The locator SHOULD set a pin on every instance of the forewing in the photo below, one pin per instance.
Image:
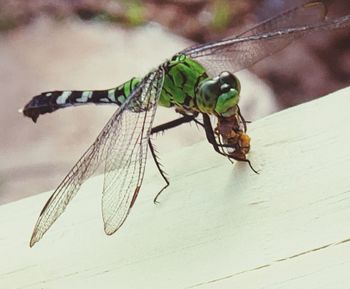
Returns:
(86, 166)
(306, 13)
(126, 159)
(239, 52)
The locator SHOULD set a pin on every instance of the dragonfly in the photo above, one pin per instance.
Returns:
(199, 83)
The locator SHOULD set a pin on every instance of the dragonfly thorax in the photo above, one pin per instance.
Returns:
(188, 87)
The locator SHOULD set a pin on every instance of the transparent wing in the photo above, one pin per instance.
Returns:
(306, 13)
(98, 152)
(126, 159)
(239, 52)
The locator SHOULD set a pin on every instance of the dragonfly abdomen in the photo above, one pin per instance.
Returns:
(51, 101)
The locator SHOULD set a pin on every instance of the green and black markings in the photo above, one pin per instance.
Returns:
(186, 86)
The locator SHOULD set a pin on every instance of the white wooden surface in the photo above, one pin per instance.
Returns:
(217, 226)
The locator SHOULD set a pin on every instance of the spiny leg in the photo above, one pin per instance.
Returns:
(160, 128)
(242, 119)
(194, 116)
(209, 132)
(223, 145)
(237, 158)
(161, 171)
(174, 123)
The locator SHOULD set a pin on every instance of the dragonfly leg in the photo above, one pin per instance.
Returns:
(222, 145)
(160, 169)
(243, 159)
(198, 122)
(244, 122)
(194, 115)
(209, 132)
(174, 123)
(238, 155)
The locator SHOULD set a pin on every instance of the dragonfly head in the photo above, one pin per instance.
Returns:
(219, 95)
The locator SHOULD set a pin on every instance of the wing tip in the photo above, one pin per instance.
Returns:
(36, 236)
(33, 240)
(108, 230)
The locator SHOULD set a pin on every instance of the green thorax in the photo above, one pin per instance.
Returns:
(188, 87)
(181, 81)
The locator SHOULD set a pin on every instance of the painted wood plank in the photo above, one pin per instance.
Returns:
(217, 226)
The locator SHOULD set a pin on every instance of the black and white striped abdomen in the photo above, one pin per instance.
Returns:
(51, 101)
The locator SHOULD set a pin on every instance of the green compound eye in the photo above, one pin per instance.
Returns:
(225, 87)
(229, 96)
(228, 78)
(209, 91)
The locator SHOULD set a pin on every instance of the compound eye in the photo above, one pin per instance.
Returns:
(229, 78)
(225, 88)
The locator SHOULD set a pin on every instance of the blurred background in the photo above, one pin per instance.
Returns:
(98, 44)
